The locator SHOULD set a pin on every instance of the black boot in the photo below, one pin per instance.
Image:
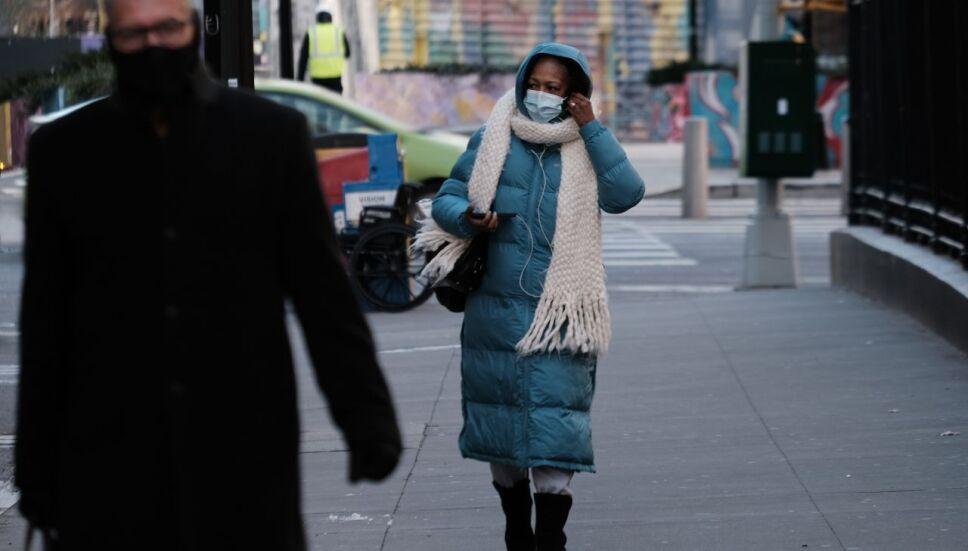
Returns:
(551, 513)
(516, 502)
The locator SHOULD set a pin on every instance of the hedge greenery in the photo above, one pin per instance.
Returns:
(675, 73)
(455, 69)
(83, 76)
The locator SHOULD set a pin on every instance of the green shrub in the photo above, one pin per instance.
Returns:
(675, 72)
(83, 76)
(455, 69)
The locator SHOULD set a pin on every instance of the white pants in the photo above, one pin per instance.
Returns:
(547, 480)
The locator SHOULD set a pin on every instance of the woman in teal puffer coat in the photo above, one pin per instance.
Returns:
(533, 330)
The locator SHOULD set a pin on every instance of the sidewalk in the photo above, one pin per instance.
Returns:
(660, 165)
(772, 420)
(760, 420)
(12, 188)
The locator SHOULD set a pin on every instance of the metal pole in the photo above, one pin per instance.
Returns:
(286, 66)
(228, 41)
(695, 169)
(693, 32)
(51, 19)
(769, 258)
(845, 170)
(807, 27)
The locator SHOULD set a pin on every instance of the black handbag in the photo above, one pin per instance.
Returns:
(466, 276)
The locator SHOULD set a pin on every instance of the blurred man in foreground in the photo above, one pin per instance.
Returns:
(166, 228)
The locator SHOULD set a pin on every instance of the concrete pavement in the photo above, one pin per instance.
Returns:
(771, 420)
(801, 419)
(767, 420)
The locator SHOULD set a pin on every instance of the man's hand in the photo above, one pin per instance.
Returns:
(36, 510)
(372, 460)
(580, 109)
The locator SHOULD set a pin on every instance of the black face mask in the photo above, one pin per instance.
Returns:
(156, 76)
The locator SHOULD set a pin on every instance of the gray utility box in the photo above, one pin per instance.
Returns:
(778, 108)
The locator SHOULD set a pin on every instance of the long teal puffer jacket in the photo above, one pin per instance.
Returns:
(527, 411)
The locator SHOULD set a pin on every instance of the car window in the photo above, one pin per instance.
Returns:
(323, 119)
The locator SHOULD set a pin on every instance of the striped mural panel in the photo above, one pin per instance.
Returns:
(623, 39)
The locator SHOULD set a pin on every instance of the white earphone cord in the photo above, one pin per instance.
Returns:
(544, 188)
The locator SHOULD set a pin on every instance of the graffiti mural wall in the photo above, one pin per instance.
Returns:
(714, 95)
(433, 100)
(622, 39)
(666, 109)
(833, 103)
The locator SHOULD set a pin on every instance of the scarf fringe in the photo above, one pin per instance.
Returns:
(568, 323)
(432, 237)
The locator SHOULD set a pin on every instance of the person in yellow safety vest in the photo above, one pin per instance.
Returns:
(324, 52)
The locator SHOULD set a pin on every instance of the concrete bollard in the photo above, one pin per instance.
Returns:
(695, 169)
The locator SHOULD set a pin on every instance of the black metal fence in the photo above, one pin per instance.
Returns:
(909, 120)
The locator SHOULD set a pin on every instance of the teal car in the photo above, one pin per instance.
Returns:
(428, 156)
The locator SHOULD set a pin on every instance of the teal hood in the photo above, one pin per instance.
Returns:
(574, 59)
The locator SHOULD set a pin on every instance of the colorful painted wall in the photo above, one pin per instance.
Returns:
(622, 39)
(433, 100)
(833, 103)
(715, 95)
(13, 133)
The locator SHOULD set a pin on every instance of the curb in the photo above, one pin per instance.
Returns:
(929, 287)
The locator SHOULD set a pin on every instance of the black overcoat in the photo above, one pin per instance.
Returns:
(157, 404)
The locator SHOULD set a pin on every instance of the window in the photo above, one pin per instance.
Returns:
(322, 118)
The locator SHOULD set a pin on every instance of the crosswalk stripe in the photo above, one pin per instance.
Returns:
(9, 376)
(8, 496)
(656, 262)
(672, 288)
(627, 244)
(420, 349)
(633, 239)
(639, 254)
(634, 247)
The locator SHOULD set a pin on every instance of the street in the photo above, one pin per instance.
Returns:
(724, 419)
(11, 273)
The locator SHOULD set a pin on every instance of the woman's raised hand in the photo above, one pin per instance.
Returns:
(487, 223)
(580, 108)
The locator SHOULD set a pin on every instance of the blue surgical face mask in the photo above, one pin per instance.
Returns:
(542, 106)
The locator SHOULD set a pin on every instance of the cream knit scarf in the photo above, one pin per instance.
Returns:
(572, 313)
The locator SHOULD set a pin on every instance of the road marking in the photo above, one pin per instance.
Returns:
(420, 349)
(15, 334)
(639, 254)
(8, 496)
(627, 244)
(9, 375)
(672, 288)
(657, 262)
(7, 440)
